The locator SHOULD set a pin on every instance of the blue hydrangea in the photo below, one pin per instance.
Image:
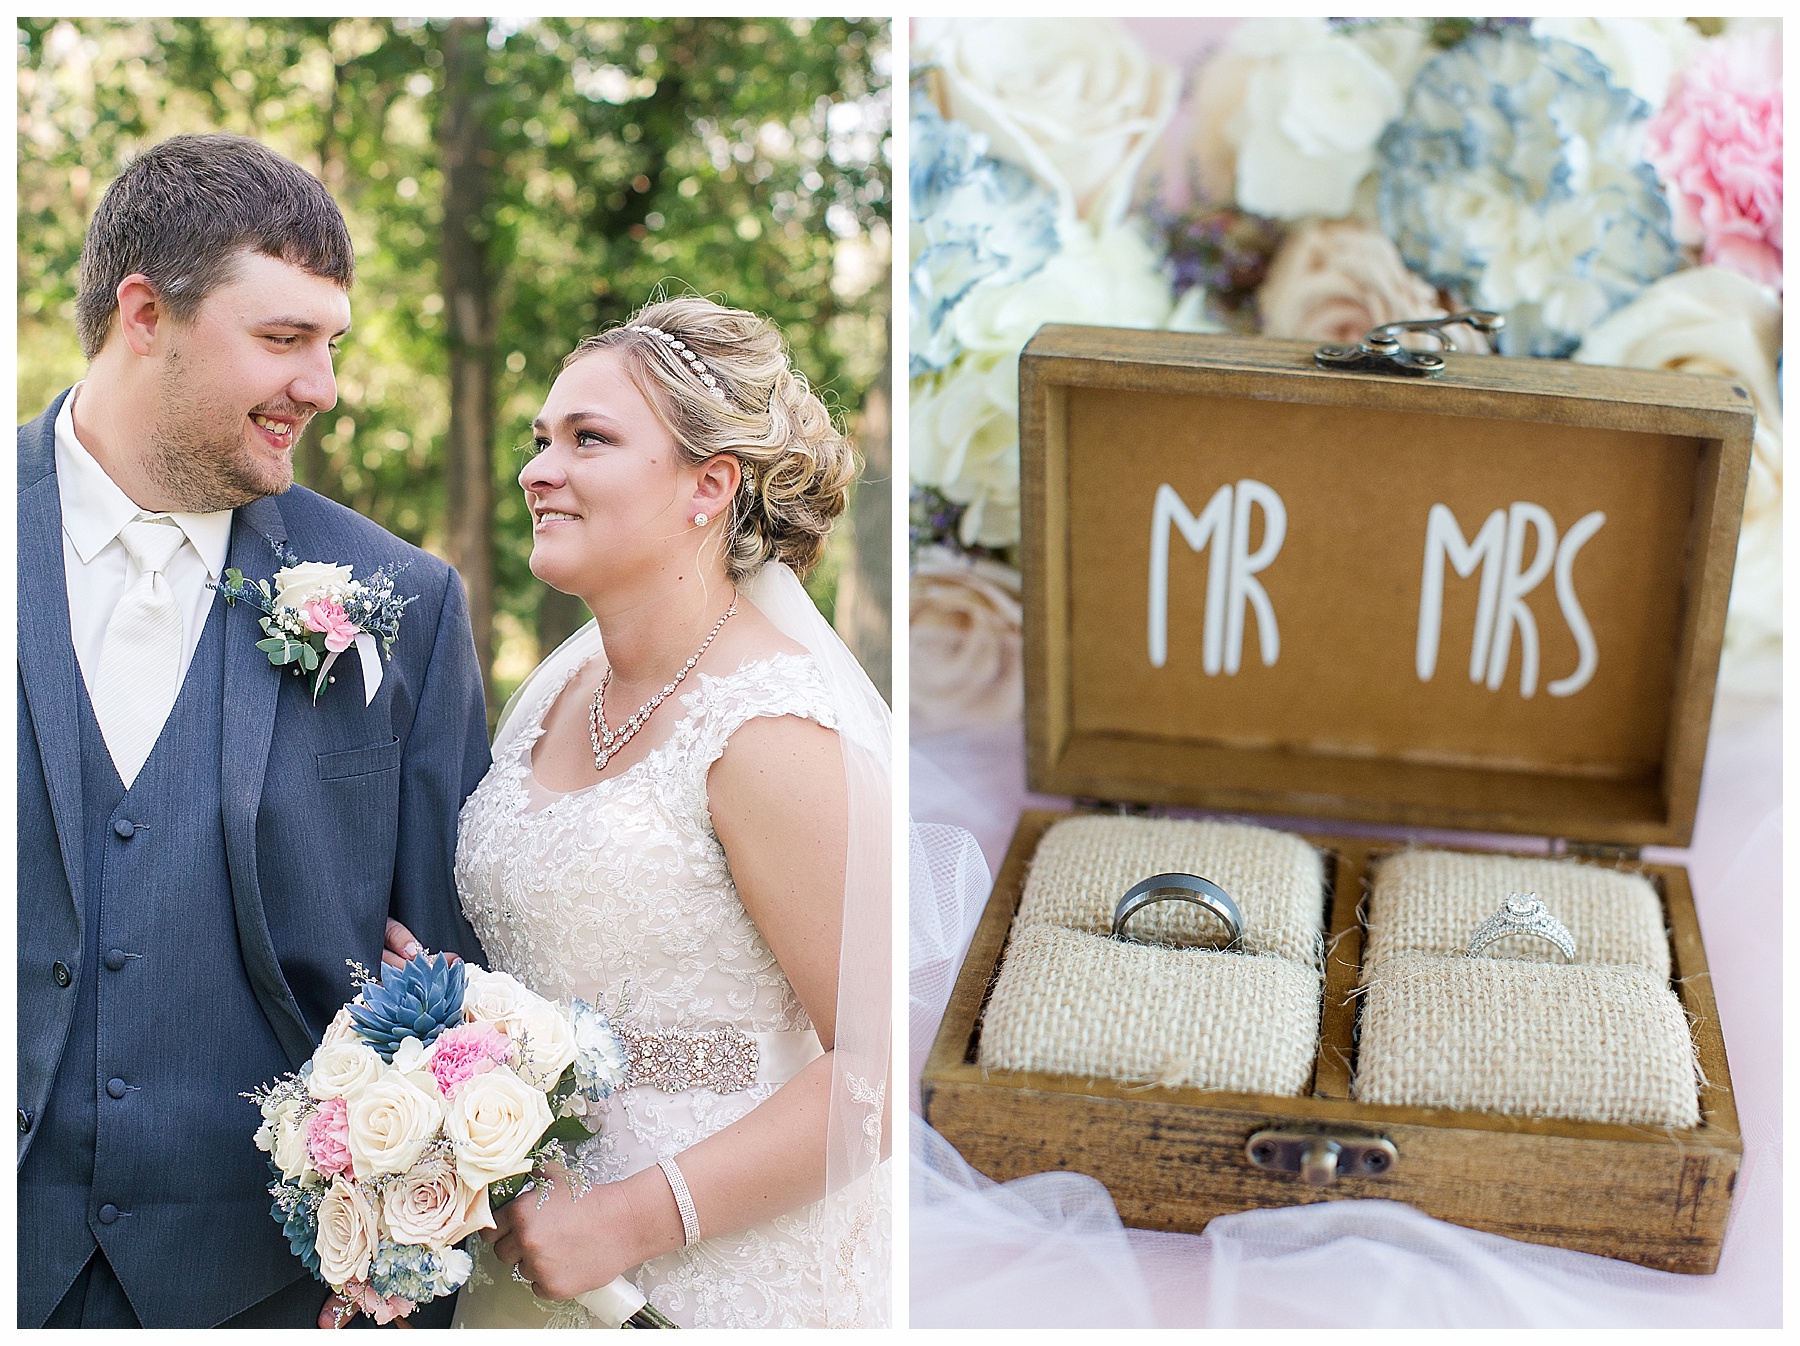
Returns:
(415, 1272)
(1515, 180)
(975, 219)
(600, 1059)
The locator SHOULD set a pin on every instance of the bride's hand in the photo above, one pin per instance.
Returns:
(566, 1245)
(401, 945)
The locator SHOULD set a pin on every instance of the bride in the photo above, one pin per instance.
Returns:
(687, 823)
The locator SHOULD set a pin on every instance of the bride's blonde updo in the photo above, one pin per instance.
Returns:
(727, 387)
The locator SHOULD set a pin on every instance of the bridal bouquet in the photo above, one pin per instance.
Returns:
(440, 1092)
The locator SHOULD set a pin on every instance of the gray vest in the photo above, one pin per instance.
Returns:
(146, 1150)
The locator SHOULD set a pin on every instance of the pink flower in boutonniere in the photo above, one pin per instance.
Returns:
(328, 618)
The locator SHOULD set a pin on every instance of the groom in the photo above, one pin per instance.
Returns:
(201, 844)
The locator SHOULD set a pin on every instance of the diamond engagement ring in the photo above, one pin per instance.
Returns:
(1522, 914)
(1203, 893)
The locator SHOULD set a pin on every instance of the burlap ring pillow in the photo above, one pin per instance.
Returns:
(1517, 1030)
(1070, 1000)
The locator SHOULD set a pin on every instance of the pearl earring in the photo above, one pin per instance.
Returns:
(700, 521)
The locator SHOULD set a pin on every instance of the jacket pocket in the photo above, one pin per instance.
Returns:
(359, 761)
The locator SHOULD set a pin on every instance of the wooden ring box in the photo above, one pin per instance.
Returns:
(1367, 484)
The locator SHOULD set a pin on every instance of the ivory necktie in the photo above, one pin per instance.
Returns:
(141, 655)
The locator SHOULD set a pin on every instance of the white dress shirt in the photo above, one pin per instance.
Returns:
(95, 563)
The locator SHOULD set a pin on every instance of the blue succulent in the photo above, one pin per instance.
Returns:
(419, 999)
(296, 1210)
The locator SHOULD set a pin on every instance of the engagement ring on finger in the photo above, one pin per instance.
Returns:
(1522, 914)
(1203, 893)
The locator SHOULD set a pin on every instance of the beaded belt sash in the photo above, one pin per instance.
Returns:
(674, 1059)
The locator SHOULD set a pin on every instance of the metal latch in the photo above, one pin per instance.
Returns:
(1380, 351)
(1322, 1157)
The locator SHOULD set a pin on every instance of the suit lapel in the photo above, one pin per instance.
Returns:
(48, 670)
(252, 688)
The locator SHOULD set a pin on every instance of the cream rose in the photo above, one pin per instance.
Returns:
(1333, 281)
(390, 1123)
(965, 443)
(1709, 320)
(1076, 102)
(342, 1028)
(967, 661)
(343, 1069)
(348, 1234)
(494, 1121)
(282, 1136)
(1288, 114)
(542, 1032)
(298, 585)
(432, 1205)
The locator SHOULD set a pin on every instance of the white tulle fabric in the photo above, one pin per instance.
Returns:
(621, 894)
(1049, 1250)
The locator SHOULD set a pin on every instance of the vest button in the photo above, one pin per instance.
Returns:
(24, 1122)
(108, 1213)
(125, 828)
(60, 971)
(115, 959)
(116, 1087)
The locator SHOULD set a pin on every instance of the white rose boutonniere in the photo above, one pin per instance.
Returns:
(299, 584)
(1075, 101)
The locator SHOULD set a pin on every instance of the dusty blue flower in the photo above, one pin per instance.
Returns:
(1515, 180)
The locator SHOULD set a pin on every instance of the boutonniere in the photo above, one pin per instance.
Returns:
(313, 612)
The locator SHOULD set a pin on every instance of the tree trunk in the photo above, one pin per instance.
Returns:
(465, 153)
(865, 589)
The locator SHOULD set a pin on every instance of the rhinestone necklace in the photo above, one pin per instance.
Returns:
(608, 742)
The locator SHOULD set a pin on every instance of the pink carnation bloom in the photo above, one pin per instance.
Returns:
(328, 1137)
(327, 615)
(362, 1295)
(1716, 145)
(466, 1051)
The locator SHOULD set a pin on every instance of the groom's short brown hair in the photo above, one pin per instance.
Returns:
(182, 211)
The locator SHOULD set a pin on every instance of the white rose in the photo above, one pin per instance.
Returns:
(282, 1136)
(1708, 320)
(494, 1121)
(965, 442)
(343, 1069)
(1641, 55)
(1077, 102)
(390, 1123)
(348, 1234)
(1333, 281)
(431, 1205)
(965, 638)
(1108, 279)
(342, 1028)
(1288, 115)
(298, 585)
(540, 1029)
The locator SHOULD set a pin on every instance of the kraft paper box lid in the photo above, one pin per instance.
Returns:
(1493, 600)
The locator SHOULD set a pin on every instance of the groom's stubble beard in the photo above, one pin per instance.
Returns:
(196, 451)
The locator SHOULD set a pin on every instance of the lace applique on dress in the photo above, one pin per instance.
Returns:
(620, 894)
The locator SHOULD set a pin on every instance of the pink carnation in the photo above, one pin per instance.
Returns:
(1716, 145)
(328, 1137)
(327, 615)
(466, 1051)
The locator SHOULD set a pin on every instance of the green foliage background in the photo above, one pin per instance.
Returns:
(747, 159)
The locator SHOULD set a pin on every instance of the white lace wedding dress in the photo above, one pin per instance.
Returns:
(620, 894)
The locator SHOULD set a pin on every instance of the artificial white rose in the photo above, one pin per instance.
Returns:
(390, 1122)
(494, 1122)
(298, 585)
(965, 636)
(348, 1234)
(343, 1069)
(342, 1028)
(540, 1029)
(433, 1206)
(965, 442)
(1709, 320)
(1288, 114)
(1077, 102)
(282, 1136)
(1641, 55)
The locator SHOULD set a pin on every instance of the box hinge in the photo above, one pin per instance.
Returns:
(1595, 850)
(1322, 1156)
(1124, 808)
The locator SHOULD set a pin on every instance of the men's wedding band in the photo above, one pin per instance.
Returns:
(1203, 893)
(1523, 914)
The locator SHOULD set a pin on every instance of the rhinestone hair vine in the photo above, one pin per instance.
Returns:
(681, 349)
